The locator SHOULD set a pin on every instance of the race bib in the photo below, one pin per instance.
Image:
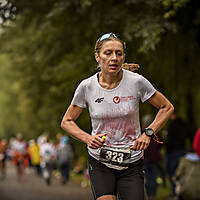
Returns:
(116, 158)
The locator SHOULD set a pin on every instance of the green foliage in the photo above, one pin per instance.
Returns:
(173, 6)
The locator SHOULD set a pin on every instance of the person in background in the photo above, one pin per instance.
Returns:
(34, 152)
(196, 142)
(3, 157)
(187, 175)
(64, 157)
(175, 145)
(48, 158)
(152, 162)
(20, 158)
(58, 138)
(116, 144)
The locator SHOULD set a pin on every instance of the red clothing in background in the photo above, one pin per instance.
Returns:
(196, 142)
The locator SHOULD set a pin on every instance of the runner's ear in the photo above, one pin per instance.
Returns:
(96, 55)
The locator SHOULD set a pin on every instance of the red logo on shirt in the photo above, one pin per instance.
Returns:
(116, 99)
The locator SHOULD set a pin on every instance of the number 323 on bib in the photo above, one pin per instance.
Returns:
(116, 158)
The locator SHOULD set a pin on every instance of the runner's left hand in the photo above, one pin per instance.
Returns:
(141, 143)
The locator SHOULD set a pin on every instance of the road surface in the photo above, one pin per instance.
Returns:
(34, 188)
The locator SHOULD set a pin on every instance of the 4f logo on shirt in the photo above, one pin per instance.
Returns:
(99, 100)
(116, 99)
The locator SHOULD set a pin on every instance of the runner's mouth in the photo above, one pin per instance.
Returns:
(113, 66)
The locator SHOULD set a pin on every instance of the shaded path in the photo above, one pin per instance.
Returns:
(34, 188)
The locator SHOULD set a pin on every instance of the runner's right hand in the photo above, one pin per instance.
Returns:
(96, 141)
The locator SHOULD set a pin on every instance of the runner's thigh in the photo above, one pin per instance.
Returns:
(102, 179)
(130, 184)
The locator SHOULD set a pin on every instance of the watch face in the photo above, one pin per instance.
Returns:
(149, 131)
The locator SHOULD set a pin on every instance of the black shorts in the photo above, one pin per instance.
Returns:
(127, 184)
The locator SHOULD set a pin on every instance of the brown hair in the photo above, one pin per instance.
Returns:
(131, 66)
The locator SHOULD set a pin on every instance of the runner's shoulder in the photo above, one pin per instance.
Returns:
(133, 75)
(88, 81)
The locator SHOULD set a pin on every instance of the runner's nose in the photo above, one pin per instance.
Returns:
(114, 56)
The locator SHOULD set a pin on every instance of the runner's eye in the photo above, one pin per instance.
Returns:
(107, 53)
(119, 53)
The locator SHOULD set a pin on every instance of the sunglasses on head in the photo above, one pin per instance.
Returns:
(108, 35)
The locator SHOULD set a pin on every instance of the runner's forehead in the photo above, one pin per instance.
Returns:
(112, 45)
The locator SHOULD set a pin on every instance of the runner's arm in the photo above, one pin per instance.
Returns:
(165, 110)
(159, 101)
(68, 124)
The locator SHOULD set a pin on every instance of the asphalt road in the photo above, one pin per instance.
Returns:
(34, 188)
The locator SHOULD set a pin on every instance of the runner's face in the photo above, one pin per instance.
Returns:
(111, 56)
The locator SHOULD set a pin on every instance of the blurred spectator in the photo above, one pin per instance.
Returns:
(20, 155)
(3, 150)
(58, 138)
(196, 142)
(65, 157)
(152, 162)
(187, 176)
(175, 146)
(41, 139)
(48, 156)
(34, 152)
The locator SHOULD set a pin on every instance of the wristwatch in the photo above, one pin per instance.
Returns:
(149, 132)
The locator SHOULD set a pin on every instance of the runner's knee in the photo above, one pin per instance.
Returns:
(107, 197)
